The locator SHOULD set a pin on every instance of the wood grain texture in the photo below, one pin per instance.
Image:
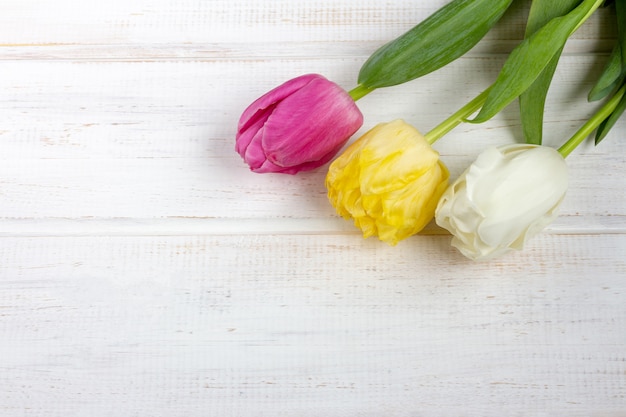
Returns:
(144, 271)
(238, 326)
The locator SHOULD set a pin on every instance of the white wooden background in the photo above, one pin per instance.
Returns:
(144, 271)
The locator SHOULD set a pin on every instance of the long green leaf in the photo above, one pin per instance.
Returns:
(620, 12)
(440, 39)
(614, 71)
(532, 101)
(611, 76)
(528, 60)
(610, 121)
(542, 11)
(619, 52)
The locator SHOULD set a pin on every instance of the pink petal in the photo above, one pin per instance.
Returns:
(306, 125)
(257, 109)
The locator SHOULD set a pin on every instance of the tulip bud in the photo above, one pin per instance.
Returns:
(507, 196)
(298, 126)
(388, 181)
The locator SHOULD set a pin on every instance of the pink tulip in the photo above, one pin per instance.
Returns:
(298, 126)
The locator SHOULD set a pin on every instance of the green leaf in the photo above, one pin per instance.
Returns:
(610, 121)
(614, 72)
(528, 60)
(435, 42)
(592, 123)
(542, 11)
(620, 12)
(611, 77)
(532, 101)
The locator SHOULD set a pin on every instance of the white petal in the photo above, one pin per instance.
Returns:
(508, 195)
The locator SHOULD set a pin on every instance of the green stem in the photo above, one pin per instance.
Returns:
(454, 120)
(360, 91)
(591, 124)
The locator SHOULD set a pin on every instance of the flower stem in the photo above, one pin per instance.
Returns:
(591, 124)
(454, 120)
(359, 91)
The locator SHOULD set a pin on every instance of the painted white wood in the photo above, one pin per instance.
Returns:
(154, 140)
(144, 271)
(230, 325)
(237, 21)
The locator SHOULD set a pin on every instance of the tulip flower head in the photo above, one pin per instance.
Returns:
(298, 126)
(507, 196)
(388, 181)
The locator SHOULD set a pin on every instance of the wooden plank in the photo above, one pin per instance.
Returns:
(308, 325)
(99, 110)
(144, 271)
(151, 140)
(170, 22)
(153, 189)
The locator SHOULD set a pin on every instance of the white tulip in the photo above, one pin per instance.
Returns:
(507, 196)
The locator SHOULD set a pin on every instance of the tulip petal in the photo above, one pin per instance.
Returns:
(306, 125)
(388, 181)
(258, 109)
(508, 195)
(251, 129)
(517, 193)
(297, 126)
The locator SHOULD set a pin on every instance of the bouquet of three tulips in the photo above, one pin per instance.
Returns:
(390, 181)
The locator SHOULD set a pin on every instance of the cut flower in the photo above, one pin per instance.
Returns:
(298, 126)
(507, 196)
(388, 181)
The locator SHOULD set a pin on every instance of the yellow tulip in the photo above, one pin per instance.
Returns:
(389, 181)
